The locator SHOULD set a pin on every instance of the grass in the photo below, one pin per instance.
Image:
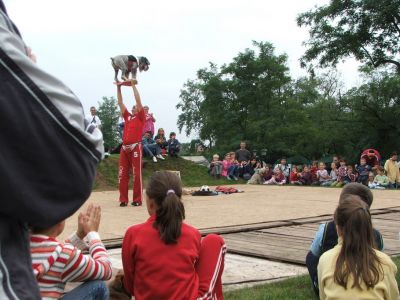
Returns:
(298, 288)
(192, 175)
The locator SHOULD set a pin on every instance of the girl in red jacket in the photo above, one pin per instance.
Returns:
(165, 258)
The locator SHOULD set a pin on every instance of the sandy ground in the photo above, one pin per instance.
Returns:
(256, 204)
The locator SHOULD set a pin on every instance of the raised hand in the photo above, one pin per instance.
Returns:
(94, 215)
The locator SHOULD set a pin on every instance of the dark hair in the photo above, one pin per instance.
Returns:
(393, 153)
(357, 257)
(357, 189)
(341, 160)
(172, 133)
(165, 189)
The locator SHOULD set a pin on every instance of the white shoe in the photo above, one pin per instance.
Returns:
(160, 157)
(154, 159)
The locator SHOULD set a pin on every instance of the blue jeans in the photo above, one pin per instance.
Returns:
(152, 149)
(233, 171)
(90, 290)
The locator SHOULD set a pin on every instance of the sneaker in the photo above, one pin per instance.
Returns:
(136, 204)
(154, 159)
(235, 178)
(228, 177)
(123, 204)
(160, 157)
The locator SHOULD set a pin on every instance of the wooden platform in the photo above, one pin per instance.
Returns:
(290, 243)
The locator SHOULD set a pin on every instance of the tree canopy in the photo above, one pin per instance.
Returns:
(108, 113)
(253, 98)
(368, 30)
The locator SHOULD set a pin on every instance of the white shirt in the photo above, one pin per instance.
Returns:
(93, 120)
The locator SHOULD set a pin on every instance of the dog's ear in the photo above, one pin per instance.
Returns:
(144, 60)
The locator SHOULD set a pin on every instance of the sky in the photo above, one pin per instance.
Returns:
(74, 41)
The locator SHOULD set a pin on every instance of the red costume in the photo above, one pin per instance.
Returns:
(131, 156)
(372, 157)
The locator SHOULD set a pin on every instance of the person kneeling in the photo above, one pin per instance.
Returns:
(165, 258)
(55, 263)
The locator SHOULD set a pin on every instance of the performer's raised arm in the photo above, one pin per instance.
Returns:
(139, 106)
(121, 104)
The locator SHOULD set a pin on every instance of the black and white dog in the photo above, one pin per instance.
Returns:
(128, 64)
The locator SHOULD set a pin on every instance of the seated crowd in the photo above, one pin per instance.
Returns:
(157, 146)
(337, 174)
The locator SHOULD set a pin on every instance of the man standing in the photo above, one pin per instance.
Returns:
(38, 187)
(131, 150)
(392, 171)
(242, 155)
(93, 118)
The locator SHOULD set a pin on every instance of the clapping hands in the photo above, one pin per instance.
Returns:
(89, 220)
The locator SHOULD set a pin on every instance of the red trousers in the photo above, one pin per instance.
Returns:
(130, 160)
(210, 267)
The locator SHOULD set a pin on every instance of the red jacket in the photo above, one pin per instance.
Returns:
(154, 270)
(294, 176)
(133, 127)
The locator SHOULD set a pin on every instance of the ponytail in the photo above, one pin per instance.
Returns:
(357, 257)
(169, 218)
(165, 189)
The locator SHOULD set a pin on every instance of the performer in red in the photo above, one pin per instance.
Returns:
(131, 150)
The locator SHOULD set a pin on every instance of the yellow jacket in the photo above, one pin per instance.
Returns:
(386, 289)
(392, 171)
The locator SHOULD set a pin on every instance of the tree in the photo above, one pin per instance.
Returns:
(108, 113)
(368, 30)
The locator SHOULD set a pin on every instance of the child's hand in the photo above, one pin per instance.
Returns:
(94, 215)
(83, 228)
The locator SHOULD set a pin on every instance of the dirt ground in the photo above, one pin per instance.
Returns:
(256, 204)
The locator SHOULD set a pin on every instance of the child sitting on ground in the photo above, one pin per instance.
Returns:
(381, 181)
(173, 145)
(371, 183)
(322, 175)
(55, 263)
(226, 163)
(278, 178)
(326, 237)
(334, 173)
(306, 176)
(354, 269)
(261, 175)
(164, 258)
(341, 174)
(350, 176)
(363, 171)
(233, 170)
(294, 177)
(313, 171)
(215, 167)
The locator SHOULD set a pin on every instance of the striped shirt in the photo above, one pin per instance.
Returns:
(56, 263)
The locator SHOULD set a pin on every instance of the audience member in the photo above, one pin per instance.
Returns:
(55, 263)
(173, 145)
(215, 168)
(341, 174)
(164, 258)
(372, 158)
(93, 118)
(150, 147)
(322, 175)
(363, 171)
(326, 237)
(161, 140)
(381, 181)
(313, 171)
(149, 121)
(246, 170)
(295, 176)
(226, 163)
(306, 176)
(242, 154)
(392, 171)
(278, 178)
(261, 175)
(333, 173)
(350, 176)
(284, 168)
(353, 269)
(41, 187)
(233, 170)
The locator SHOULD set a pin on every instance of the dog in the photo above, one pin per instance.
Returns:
(129, 64)
(116, 288)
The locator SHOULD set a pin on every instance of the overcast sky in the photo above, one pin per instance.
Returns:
(74, 40)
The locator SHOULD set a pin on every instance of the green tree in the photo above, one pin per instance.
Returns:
(368, 30)
(108, 113)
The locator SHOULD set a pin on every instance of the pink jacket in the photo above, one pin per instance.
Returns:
(225, 166)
